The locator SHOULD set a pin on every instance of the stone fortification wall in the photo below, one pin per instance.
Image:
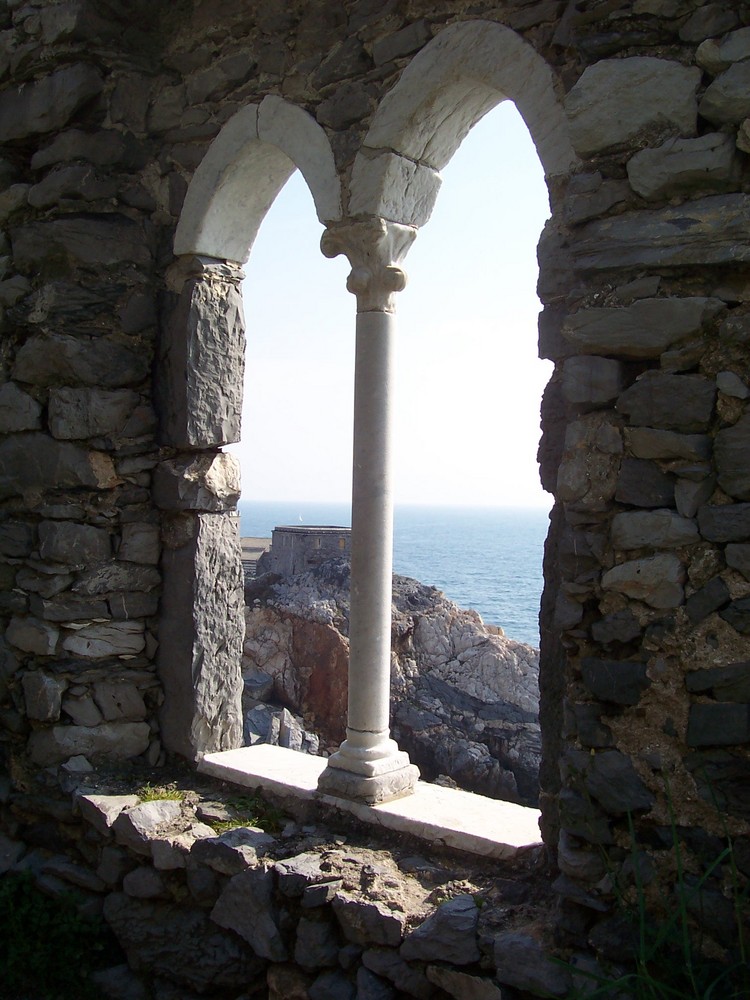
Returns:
(136, 132)
(296, 549)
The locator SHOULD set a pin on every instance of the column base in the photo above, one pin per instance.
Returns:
(385, 786)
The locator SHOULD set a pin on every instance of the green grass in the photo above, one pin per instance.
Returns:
(154, 793)
(47, 947)
(251, 810)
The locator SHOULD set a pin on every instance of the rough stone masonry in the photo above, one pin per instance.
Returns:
(142, 145)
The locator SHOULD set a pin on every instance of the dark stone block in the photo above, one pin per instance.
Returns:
(738, 557)
(718, 725)
(611, 779)
(671, 402)
(723, 780)
(725, 523)
(46, 104)
(16, 539)
(729, 683)
(583, 819)
(738, 615)
(589, 727)
(643, 484)
(621, 626)
(59, 360)
(708, 599)
(618, 681)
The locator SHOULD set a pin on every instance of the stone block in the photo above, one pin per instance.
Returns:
(610, 778)
(725, 522)
(332, 986)
(18, 410)
(135, 827)
(208, 483)
(643, 484)
(410, 979)
(120, 741)
(119, 701)
(657, 580)
(719, 725)
(657, 529)
(368, 921)
(43, 696)
(77, 545)
(737, 556)
(591, 381)
(463, 985)
(620, 626)
(234, 851)
(397, 187)
(737, 614)
(671, 402)
(123, 638)
(689, 496)
(107, 239)
(717, 54)
(372, 987)
(32, 636)
(706, 600)
(449, 934)
(642, 330)
(523, 962)
(83, 413)
(202, 362)
(693, 165)
(16, 539)
(732, 385)
(732, 454)
(727, 98)
(580, 817)
(621, 682)
(82, 711)
(47, 104)
(201, 632)
(729, 683)
(246, 907)
(144, 883)
(617, 100)
(118, 576)
(401, 43)
(316, 945)
(140, 543)
(56, 359)
(56, 465)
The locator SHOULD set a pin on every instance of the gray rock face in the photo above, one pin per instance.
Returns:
(118, 740)
(316, 945)
(610, 778)
(43, 696)
(618, 681)
(449, 934)
(643, 484)
(673, 402)
(725, 523)
(368, 922)
(179, 943)
(718, 54)
(135, 827)
(642, 330)
(34, 462)
(58, 359)
(18, 410)
(657, 581)
(111, 239)
(727, 99)
(234, 851)
(718, 725)
(47, 104)
(587, 475)
(660, 529)
(730, 683)
(650, 442)
(123, 638)
(246, 907)
(521, 961)
(615, 100)
(591, 381)
(698, 164)
(140, 543)
(74, 544)
(204, 482)
(732, 452)
(83, 413)
(32, 636)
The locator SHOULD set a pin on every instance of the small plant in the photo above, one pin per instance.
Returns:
(152, 793)
(251, 810)
(47, 947)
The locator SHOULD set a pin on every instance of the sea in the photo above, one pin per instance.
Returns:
(486, 558)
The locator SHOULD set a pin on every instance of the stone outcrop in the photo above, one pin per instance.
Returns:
(464, 698)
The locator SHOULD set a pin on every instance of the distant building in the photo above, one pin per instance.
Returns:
(296, 549)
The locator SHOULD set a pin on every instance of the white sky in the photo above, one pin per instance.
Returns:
(469, 380)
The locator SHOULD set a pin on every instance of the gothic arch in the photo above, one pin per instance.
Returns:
(243, 171)
(450, 84)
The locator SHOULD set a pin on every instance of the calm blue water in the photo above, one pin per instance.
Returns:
(487, 558)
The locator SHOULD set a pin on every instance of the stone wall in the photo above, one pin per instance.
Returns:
(121, 369)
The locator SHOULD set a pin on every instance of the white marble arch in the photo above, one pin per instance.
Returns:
(246, 166)
(465, 71)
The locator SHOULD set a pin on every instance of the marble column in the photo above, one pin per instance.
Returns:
(368, 765)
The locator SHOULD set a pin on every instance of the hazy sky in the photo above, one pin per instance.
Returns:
(469, 381)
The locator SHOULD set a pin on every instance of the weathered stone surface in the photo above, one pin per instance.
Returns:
(368, 922)
(179, 943)
(727, 99)
(610, 778)
(673, 402)
(102, 810)
(732, 385)
(620, 626)
(659, 529)
(135, 827)
(32, 636)
(144, 883)
(332, 986)
(683, 165)
(463, 986)
(643, 484)
(718, 54)
(16, 539)
(18, 410)
(48, 103)
(120, 983)
(58, 359)
(203, 482)
(720, 724)
(246, 907)
(650, 442)
(316, 945)
(43, 696)
(78, 181)
(34, 462)
(200, 639)
(372, 987)
(732, 453)
(117, 576)
(729, 683)
(410, 979)
(118, 740)
(642, 330)
(710, 230)
(295, 874)
(591, 460)
(690, 495)
(615, 100)
(119, 701)
(618, 681)
(234, 851)
(737, 614)
(738, 557)
(110, 239)
(124, 638)
(523, 962)
(140, 543)
(83, 413)
(449, 934)
(725, 523)
(203, 362)
(706, 600)
(657, 580)
(74, 544)
(591, 381)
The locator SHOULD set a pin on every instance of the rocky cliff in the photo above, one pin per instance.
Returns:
(464, 698)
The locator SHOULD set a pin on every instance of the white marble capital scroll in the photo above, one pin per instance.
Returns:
(375, 249)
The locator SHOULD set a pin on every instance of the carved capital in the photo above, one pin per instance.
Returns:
(375, 249)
